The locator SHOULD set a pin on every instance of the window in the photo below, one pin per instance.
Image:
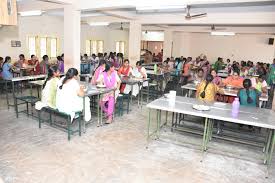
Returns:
(41, 46)
(32, 45)
(53, 47)
(120, 47)
(94, 46)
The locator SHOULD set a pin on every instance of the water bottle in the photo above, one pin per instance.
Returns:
(235, 107)
(155, 68)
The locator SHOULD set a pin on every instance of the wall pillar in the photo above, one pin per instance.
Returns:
(71, 37)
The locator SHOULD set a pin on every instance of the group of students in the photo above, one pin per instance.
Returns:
(115, 58)
(31, 66)
(66, 94)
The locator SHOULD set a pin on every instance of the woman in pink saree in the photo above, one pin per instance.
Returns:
(111, 80)
(98, 71)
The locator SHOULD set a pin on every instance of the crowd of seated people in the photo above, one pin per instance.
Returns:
(24, 67)
(66, 93)
(115, 58)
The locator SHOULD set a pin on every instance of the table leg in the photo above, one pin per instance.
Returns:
(260, 103)
(148, 90)
(132, 88)
(84, 126)
(205, 134)
(101, 113)
(267, 145)
(271, 150)
(148, 126)
(158, 123)
(13, 94)
(7, 94)
(98, 110)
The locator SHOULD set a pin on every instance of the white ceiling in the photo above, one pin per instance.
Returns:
(247, 15)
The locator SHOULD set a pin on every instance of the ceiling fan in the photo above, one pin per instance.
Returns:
(189, 16)
(213, 28)
(115, 26)
(52, 1)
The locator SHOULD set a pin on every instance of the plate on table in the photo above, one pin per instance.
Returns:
(201, 107)
(100, 86)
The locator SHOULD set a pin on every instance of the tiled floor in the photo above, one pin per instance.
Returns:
(116, 153)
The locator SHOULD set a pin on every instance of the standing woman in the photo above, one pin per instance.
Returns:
(125, 70)
(7, 68)
(110, 79)
(98, 71)
(69, 96)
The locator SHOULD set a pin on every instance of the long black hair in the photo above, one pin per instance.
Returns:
(209, 78)
(69, 75)
(101, 62)
(108, 66)
(247, 84)
(51, 72)
(7, 58)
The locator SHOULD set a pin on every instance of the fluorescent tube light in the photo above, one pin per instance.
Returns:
(99, 23)
(172, 7)
(30, 13)
(216, 33)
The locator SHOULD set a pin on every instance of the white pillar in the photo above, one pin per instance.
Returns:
(134, 42)
(167, 44)
(71, 37)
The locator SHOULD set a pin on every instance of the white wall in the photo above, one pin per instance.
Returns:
(53, 26)
(108, 35)
(27, 26)
(240, 47)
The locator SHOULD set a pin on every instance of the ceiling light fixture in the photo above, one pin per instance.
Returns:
(30, 13)
(99, 23)
(171, 7)
(217, 33)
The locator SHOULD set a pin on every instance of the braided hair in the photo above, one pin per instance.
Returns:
(51, 72)
(69, 75)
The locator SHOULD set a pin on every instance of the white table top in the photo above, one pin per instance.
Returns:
(228, 92)
(258, 117)
(26, 78)
(37, 82)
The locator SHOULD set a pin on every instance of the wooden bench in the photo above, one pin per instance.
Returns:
(55, 112)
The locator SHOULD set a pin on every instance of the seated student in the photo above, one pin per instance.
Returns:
(49, 89)
(60, 63)
(1, 66)
(21, 62)
(34, 62)
(207, 90)
(248, 96)
(199, 77)
(235, 80)
(44, 64)
(110, 79)
(7, 69)
(137, 72)
(124, 70)
(98, 71)
(259, 84)
(69, 95)
(217, 80)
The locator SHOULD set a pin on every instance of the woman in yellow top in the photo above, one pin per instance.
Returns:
(207, 90)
